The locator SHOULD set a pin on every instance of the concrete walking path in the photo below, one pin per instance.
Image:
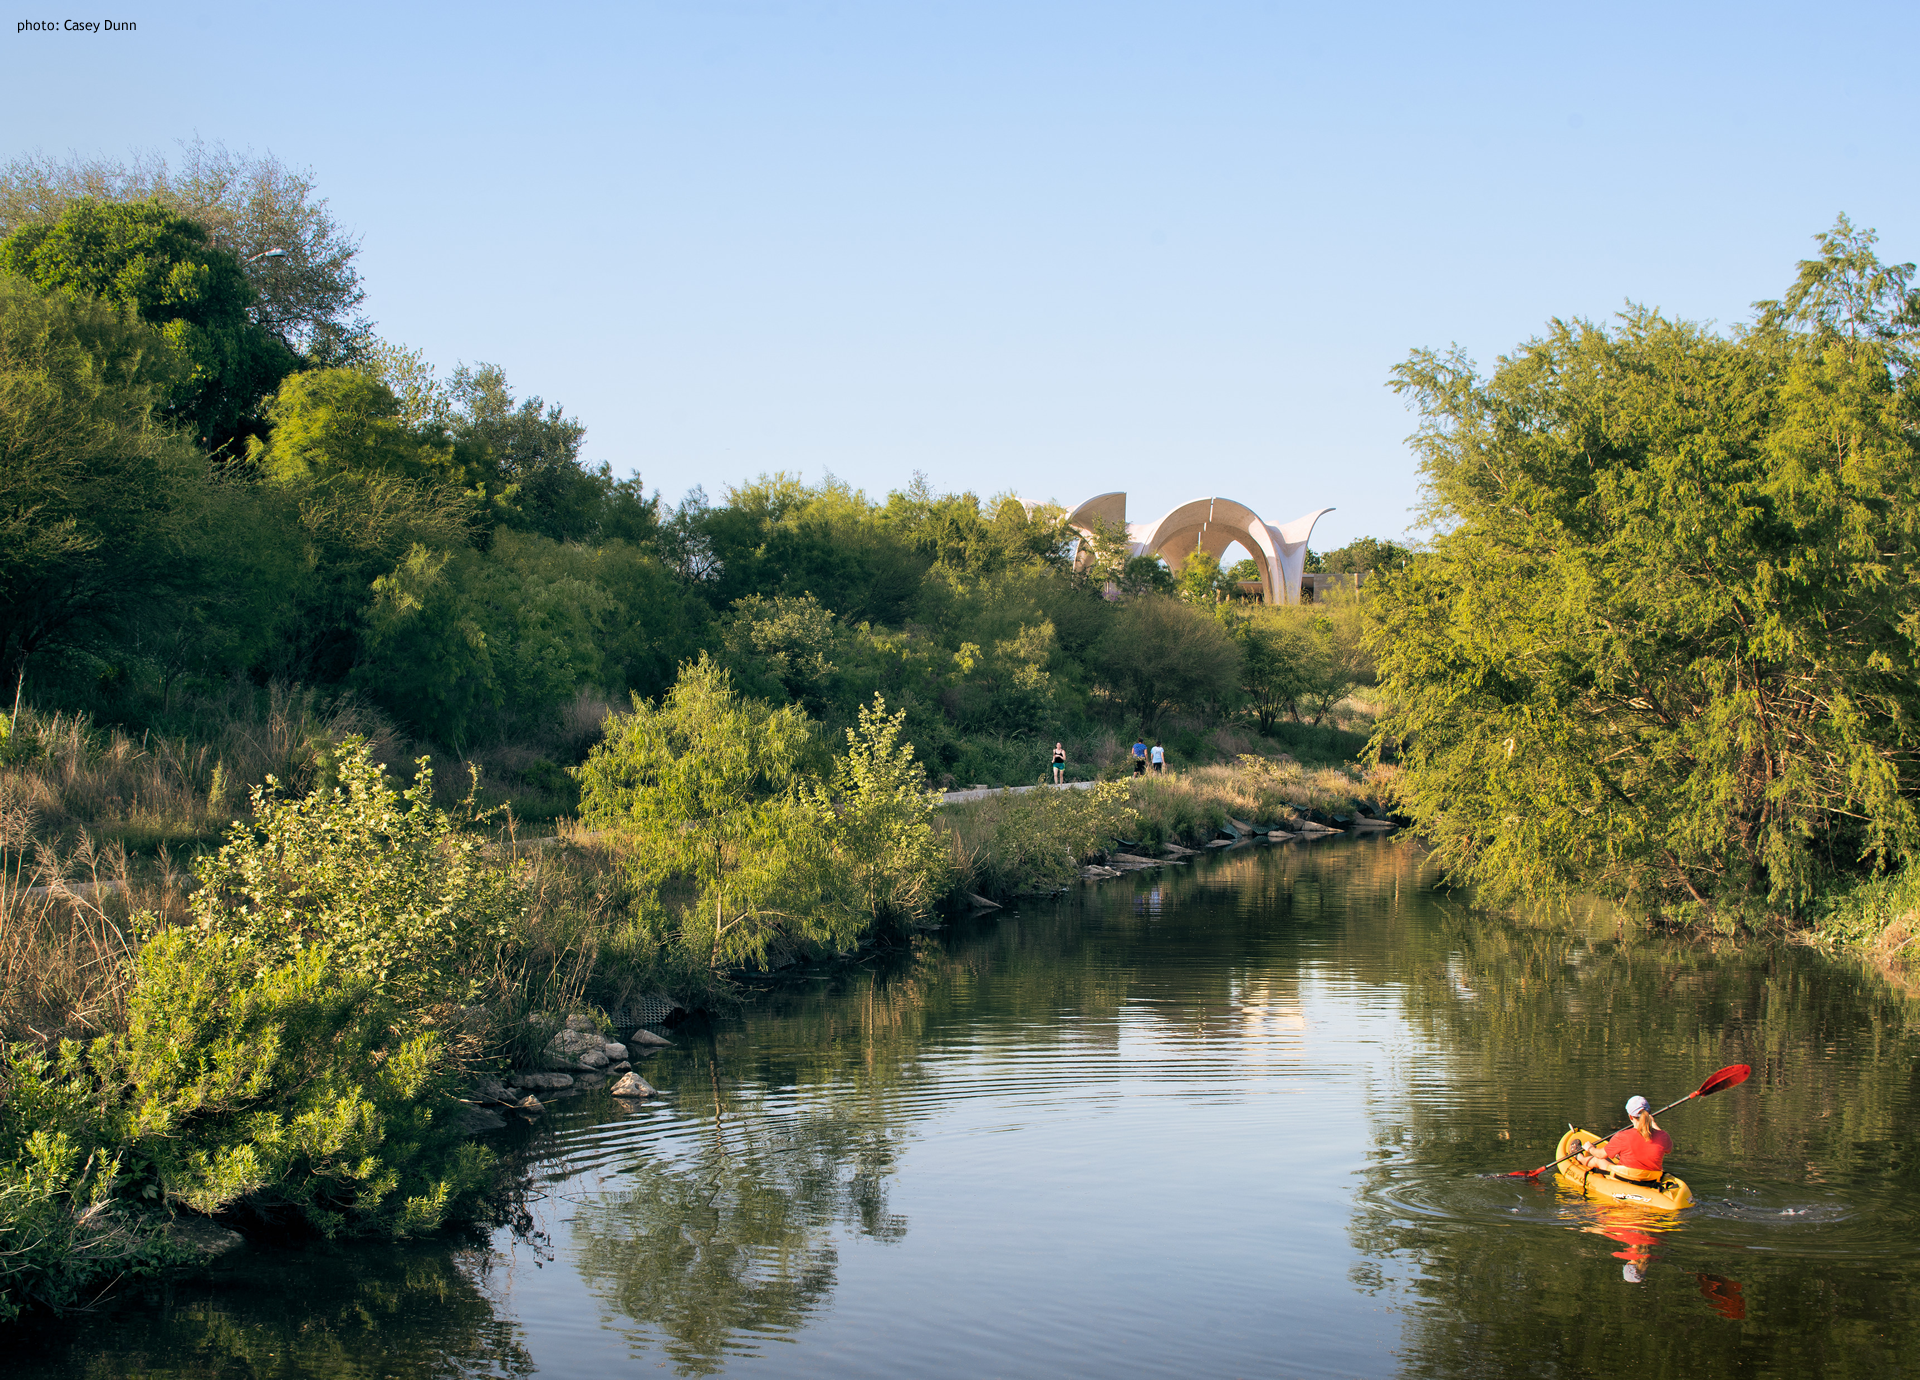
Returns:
(982, 792)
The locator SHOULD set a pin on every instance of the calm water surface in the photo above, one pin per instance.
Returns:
(1225, 1119)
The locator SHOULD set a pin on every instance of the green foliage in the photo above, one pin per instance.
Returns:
(297, 259)
(1365, 556)
(290, 1086)
(61, 1230)
(525, 457)
(740, 847)
(707, 789)
(1665, 649)
(1035, 842)
(1148, 575)
(885, 851)
(1300, 660)
(159, 264)
(1200, 580)
(1164, 654)
(1878, 913)
(775, 536)
(388, 885)
(102, 512)
(783, 649)
(329, 422)
(1274, 660)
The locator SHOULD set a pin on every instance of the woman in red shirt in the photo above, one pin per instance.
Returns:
(1639, 1152)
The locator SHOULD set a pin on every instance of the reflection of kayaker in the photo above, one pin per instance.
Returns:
(1724, 1296)
(1638, 1253)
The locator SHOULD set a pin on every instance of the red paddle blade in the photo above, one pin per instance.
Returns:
(1732, 1076)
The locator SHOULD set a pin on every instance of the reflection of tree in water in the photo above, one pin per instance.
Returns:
(1529, 1025)
(336, 1313)
(735, 1240)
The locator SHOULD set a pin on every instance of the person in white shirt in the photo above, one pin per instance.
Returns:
(1159, 759)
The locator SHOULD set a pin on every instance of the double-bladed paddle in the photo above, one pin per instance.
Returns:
(1732, 1076)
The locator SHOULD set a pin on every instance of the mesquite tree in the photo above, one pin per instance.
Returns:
(1665, 645)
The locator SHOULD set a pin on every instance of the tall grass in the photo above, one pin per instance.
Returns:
(156, 790)
(1009, 844)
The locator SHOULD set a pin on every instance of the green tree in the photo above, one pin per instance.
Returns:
(708, 789)
(160, 264)
(1200, 580)
(1146, 575)
(327, 422)
(525, 456)
(1274, 669)
(297, 258)
(360, 490)
(783, 649)
(1161, 654)
(102, 510)
(1665, 645)
(1366, 556)
(888, 859)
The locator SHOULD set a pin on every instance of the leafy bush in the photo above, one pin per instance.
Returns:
(707, 791)
(737, 846)
(398, 894)
(887, 861)
(60, 1230)
(290, 1086)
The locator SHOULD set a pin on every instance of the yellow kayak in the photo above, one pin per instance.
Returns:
(1669, 1195)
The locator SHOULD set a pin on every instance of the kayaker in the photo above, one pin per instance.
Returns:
(1639, 1152)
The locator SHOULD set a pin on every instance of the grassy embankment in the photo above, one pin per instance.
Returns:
(271, 1025)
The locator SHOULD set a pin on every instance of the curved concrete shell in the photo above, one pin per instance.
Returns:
(1211, 525)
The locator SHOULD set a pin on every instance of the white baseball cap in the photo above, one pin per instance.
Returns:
(1636, 1105)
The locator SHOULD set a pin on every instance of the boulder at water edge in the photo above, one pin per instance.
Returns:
(632, 1085)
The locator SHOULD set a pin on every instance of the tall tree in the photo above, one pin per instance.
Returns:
(161, 265)
(101, 507)
(296, 256)
(1667, 644)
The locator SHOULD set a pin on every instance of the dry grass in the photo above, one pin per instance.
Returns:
(65, 931)
(153, 791)
(1262, 790)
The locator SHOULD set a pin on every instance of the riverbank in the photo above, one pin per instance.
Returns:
(301, 1032)
(962, 1113)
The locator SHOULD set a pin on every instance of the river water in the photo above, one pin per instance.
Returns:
(1231, 1118)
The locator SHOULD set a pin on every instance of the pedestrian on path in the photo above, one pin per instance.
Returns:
(1159, 758)
(1059, 764)
(1139, 759)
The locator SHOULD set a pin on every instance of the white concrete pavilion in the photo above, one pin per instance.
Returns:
(1210, 525)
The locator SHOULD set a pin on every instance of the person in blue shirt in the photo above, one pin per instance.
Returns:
(1139, 759)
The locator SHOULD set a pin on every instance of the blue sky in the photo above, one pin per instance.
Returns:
(1054, 248)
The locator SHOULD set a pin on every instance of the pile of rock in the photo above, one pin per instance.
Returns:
(577, 1059)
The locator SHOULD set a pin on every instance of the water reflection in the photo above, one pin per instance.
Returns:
(709, 1251)
(412, 1313)
(1805, 1191)
(1237, 1117)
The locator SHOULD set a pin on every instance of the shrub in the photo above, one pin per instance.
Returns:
(1036, 841)
(736, 848)
(383, 880)
(886, 859)
(59, 1227)
(290, 1086)
(706, 791)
